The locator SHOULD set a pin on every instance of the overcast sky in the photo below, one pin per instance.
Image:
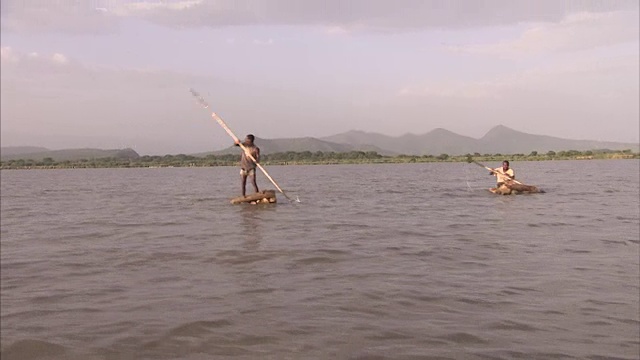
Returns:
(117, 73)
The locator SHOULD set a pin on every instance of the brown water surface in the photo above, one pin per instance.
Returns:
(412, 261)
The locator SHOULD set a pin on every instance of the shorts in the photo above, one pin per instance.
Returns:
(249, 172)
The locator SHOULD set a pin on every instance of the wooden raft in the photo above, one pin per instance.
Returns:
(263, 197)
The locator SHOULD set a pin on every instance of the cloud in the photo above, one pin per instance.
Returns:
(61, 16)
(339, 15)
(10, 56)
(336, 30)
(597, 79)
(59, 58)
(380, 15)
(263, 42)
(474, 90)
(158, 5)
(580, 31)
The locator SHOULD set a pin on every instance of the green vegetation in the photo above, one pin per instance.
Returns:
(306, 158)
(44, 155)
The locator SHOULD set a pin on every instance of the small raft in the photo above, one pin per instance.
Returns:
(512, 188)
(263, 197)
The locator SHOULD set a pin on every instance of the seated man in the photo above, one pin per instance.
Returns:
(503, 175)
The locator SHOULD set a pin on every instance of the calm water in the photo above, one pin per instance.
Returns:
(414, 261)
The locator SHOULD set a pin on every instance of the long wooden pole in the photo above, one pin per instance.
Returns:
(219, 120)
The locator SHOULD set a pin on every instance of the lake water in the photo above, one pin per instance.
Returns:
(395, 261)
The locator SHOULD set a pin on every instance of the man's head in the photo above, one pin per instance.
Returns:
(505, 165)
(250, 138)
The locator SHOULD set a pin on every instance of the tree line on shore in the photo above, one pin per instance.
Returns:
(306, 158)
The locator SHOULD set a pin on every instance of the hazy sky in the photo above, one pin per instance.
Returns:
(116, 73)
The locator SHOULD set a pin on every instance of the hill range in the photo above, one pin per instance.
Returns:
(500, 139)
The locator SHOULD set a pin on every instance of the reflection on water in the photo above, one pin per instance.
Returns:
(250, 222)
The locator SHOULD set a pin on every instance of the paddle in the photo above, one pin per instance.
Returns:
(490, 169)
(217, 118)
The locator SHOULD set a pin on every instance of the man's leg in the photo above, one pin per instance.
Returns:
(253, 181)
(243, 181)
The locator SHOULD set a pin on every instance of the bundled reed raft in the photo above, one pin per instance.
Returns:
(514, 188)
(263, 197)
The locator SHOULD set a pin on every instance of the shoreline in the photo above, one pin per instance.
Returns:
(163, 162)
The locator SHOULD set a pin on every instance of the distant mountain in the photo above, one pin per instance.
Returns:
(21, 150)
(358, 138)
(436, 142)
(504, 140)
(270, 146)
(499, 139)
(27, 153)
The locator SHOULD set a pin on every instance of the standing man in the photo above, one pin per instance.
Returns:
(248, 165)
(503, 174)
